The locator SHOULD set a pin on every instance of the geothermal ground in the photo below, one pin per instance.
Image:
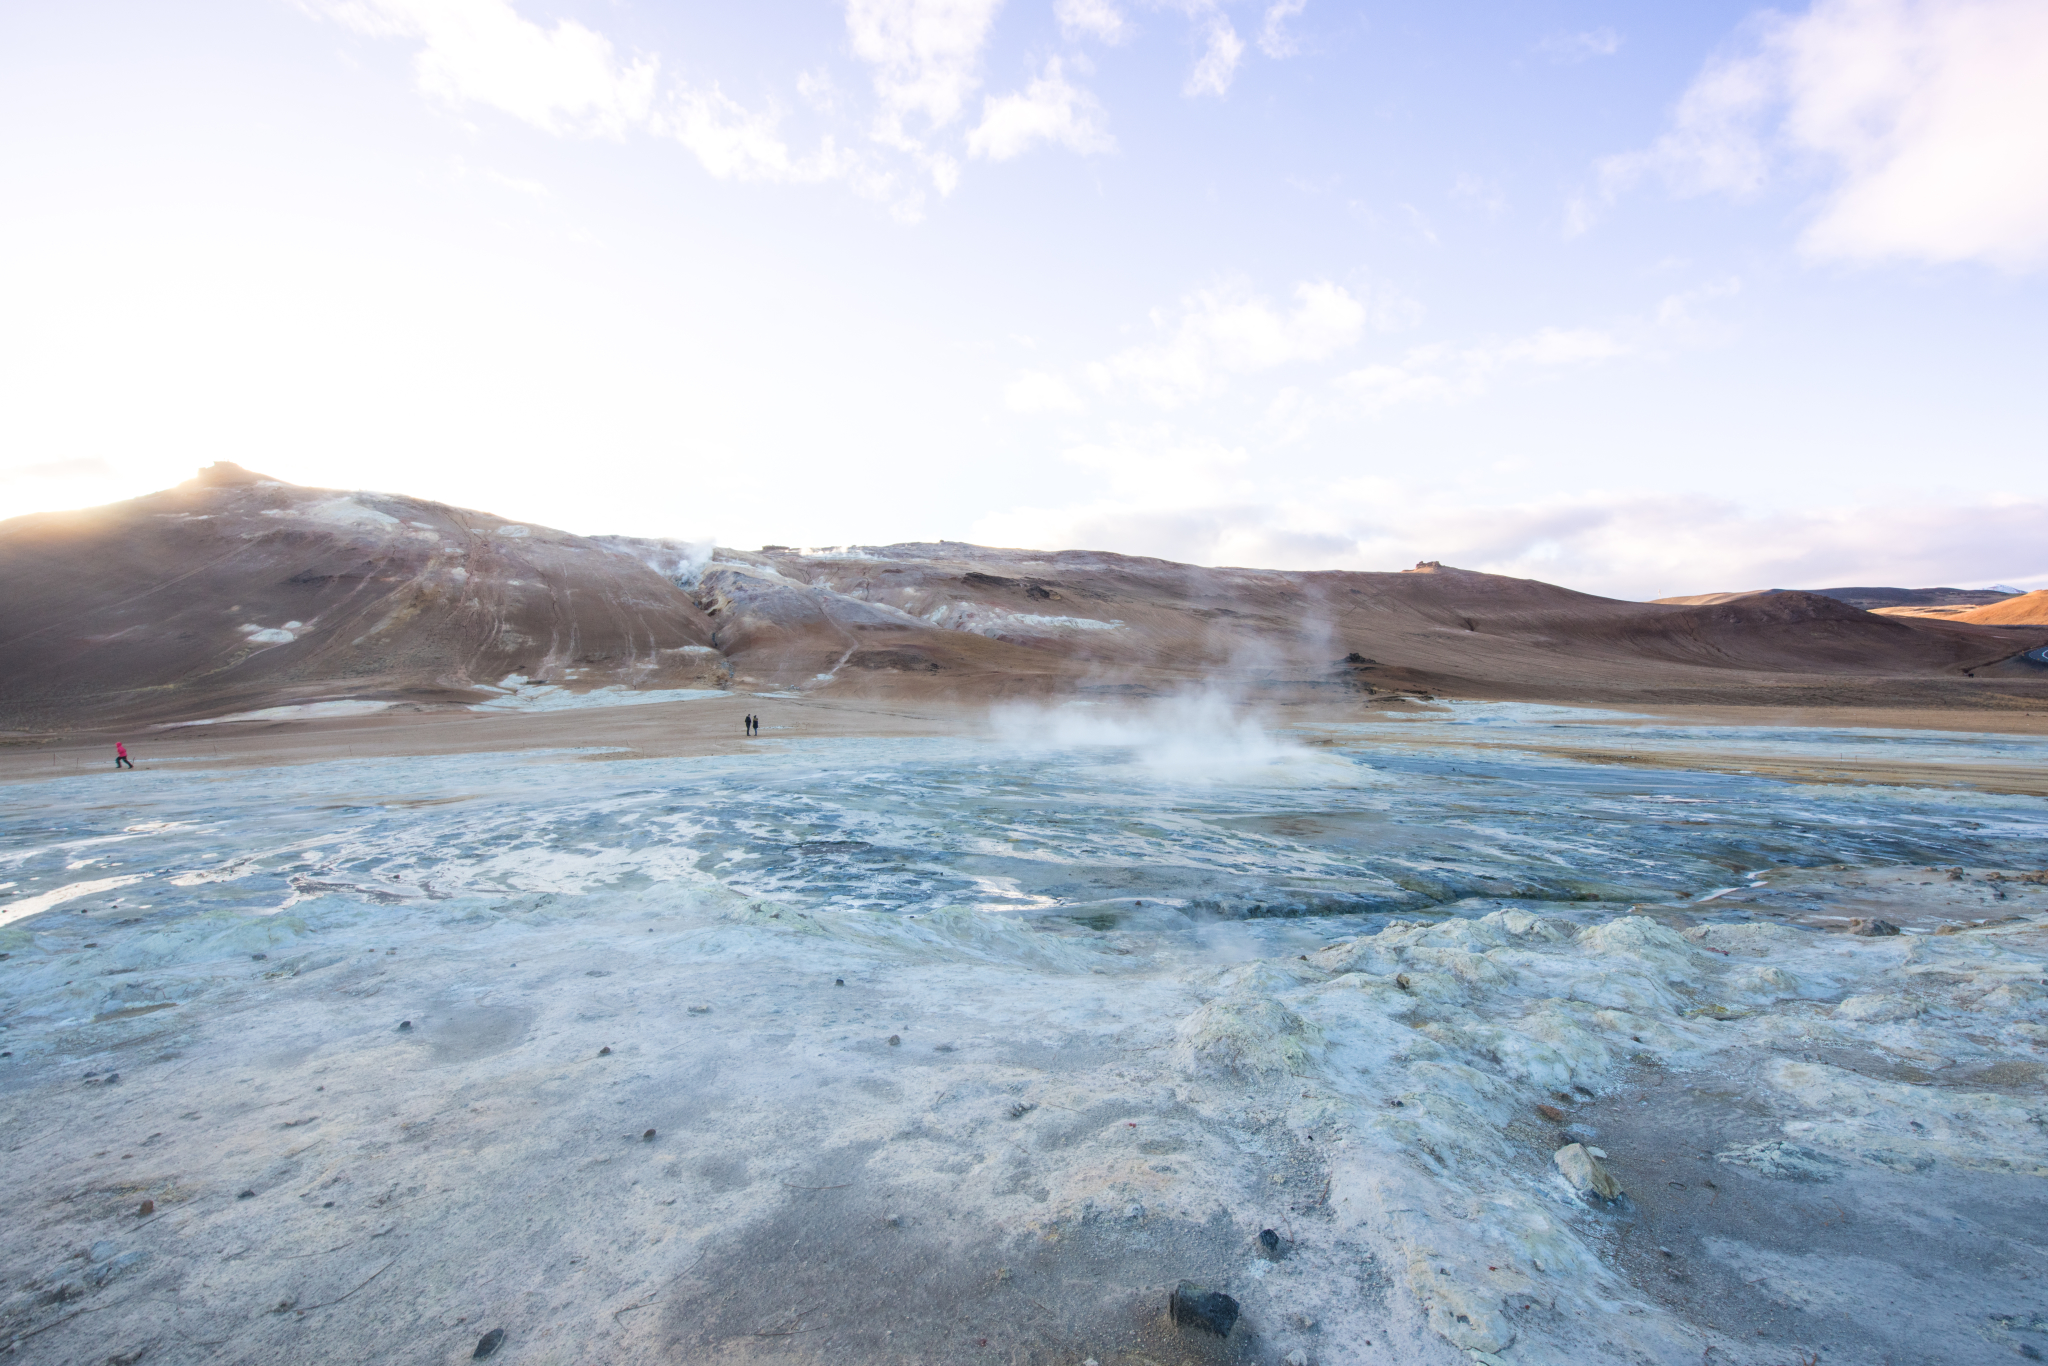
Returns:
(1532, 1034)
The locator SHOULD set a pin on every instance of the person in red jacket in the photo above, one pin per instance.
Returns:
(121, 756)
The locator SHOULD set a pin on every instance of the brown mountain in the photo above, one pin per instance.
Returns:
(235, 592)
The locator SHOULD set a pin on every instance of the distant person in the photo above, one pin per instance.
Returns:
(121, 756)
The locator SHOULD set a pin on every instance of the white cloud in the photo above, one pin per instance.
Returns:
(1274, 39)
(1034, 391)
(564, 79)
(736, 143)
(1228, 331)
(926, 56)
(1163, 467)
(1563, 346)
(1480, 192)
(1677, 310)
(1217, 65)
(1441, 373)
(1928, 117)
(567, 80)
(1048, 110)
(923, 57)
(531, 188)
(1578, 47)
(1097, 19)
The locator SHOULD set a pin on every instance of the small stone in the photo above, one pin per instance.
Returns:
(488, 1343)
(258, 957)
(1551, 1113)
(838, 981)
(148, 1208)
(1872, 928)
(1297, 1357)
(405, 1026)
(605, 1052)
(1134, 1210)
(1193, 1306)
(647, 1137)
(1269, 1240)
(1591, 1180)
(698, 1010)
(246, 1195)
(895, 1040)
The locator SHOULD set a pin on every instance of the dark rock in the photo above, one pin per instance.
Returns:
(838, 981)
(488, 1343)
(1192, 1306)
(1550, 1112)
(605, 1052)
(148, 1208)
(258, 957)
(246, 1195)
(647, 1137)
(1269, 1240)
(1872, 928)
(895, 1039)
(405, 1026)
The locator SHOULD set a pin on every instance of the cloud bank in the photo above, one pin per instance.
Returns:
(1615, 544)
(1925, 122)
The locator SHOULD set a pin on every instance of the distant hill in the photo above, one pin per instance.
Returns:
(2020, 609)
(1869, 599)
(234, 592)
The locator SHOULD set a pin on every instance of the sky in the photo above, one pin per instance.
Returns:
(1645, 299)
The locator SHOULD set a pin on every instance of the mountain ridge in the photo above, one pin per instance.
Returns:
(234, 592)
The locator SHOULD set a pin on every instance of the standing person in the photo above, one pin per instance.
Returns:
(121, 756)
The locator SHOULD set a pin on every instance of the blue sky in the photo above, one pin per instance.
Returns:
(1643, 299)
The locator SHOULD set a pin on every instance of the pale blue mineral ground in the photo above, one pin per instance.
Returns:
(971, 1049)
